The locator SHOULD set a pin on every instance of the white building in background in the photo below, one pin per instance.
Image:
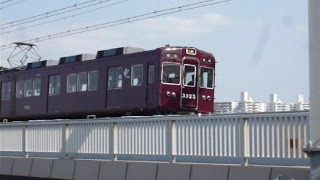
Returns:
(301, 105)
(276, 104)
(251, 107)
(225, 107)
(248, 105)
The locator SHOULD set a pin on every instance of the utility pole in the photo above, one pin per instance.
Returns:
(313, 146)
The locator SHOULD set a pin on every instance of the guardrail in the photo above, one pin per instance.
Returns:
(260, 138)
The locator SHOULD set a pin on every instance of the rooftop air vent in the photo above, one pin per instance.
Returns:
(40, 64)
(118, 51)
(76, 58)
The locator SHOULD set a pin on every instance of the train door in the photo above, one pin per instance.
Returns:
(7, 98)
(150, 85)
(115, 87)
(54, 90)
(189, 92)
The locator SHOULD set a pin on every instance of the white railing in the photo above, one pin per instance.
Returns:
(146, 138)
(11, 138)
(88, 138)
(43, 138)
(263, 138)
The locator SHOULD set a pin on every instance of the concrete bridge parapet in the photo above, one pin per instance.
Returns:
(35, 168)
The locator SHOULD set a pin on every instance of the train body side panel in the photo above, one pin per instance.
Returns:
(79, 101)
(129, 98)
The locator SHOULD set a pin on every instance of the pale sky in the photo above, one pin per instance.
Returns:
(261, 46)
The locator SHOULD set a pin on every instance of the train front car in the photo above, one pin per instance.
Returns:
(187, 80)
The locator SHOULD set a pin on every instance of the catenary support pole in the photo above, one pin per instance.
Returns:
(313, 147)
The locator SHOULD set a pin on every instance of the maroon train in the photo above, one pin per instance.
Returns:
(114, 82)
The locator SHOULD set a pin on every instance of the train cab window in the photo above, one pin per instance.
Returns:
(171, 73)
(189, 75)
(54, 85)
(36, 86)
(5, 90)
(150, 74)
(72, 83)
(28, 88)
(206, 78)
(136, 75)
(92, 80)
(82, 81)
(115, 77)
(19, 89)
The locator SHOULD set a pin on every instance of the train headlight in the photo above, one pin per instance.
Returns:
(209, 98)
(204, 97)
(173, 94)
(168, 94)
(191, 51)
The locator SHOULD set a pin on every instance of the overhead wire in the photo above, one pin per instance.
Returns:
(3, 2)
(9, 5)
(56, 14)
(49, 12)
(62, 18)
(136, 18)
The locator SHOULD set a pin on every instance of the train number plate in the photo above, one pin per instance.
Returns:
(188, 96)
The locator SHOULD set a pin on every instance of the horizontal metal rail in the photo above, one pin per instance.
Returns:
(258, 138)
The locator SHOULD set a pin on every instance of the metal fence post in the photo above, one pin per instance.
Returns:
(64, 141)
(112, 139)
(242, 140)
(24, 141)
(169, 141)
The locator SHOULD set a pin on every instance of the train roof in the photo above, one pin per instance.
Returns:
(76, 58)
(87, 57)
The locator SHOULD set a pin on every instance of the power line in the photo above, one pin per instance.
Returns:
(56, 14)
(123, 21)
(49, 12)
(3, 2)
(62, 18)
(3, 7)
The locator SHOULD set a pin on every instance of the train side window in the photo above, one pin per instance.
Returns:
(71, 83)
(19, 89)
(36, 86)
(136, 75)
(171, 73)
(206, 78)
(92, 80)
(28, 88)
(82, 81)
(54, 85)
(5, 90)
(150, 74)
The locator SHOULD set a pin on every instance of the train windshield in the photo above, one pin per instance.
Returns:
(206, 78)
(171, 73)
(189, 75)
